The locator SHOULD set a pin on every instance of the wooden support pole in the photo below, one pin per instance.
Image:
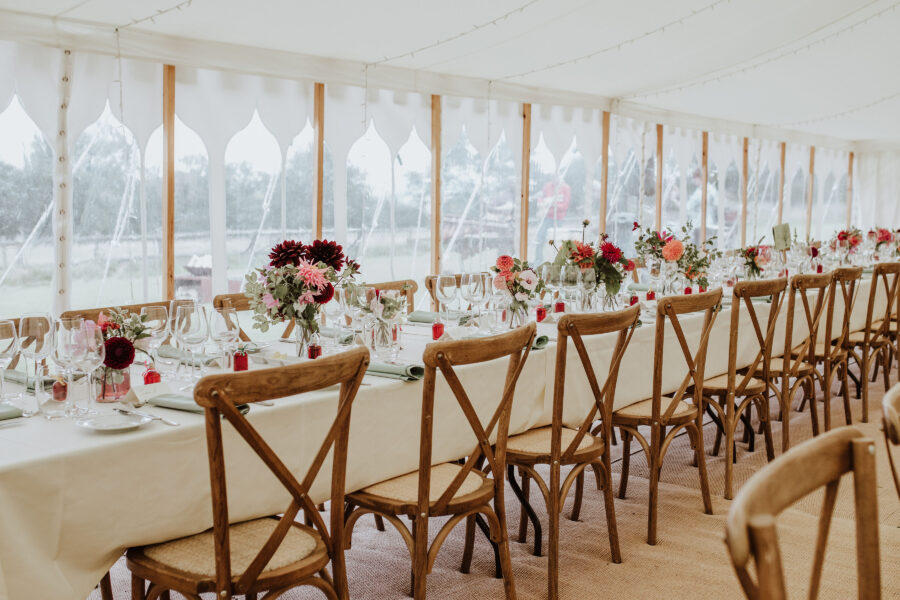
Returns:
(526, 176)
(850, 191)
(659, 175)
(604, 172)
(168, 200)
(318, 158)
(435, 184)
(744, 186)
(704, 180)
(781, 185)
(811, 188)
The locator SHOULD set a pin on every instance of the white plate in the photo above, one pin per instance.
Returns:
(114, 422)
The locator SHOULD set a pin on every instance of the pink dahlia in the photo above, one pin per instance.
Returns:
(505, 262)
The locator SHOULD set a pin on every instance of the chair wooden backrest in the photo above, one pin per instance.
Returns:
(240, 302)
(745, 291)
(93, 314)
(668, 309)
(219, 394)
(887, 276)
(819, 462)
(443, 357)
(576, 327)
(431, 282)
(801, 285)
(845, 280)
(407, 286)
(15, 361)
(890, 412)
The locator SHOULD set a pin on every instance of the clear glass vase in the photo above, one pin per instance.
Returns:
(518, 314)
(114, 384)
(381, 337)
(302, 336)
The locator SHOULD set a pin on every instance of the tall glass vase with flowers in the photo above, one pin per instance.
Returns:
(298, 280)
(695, 259)
(649, 247)
(382, 310)
(520, 282)
(122, 332)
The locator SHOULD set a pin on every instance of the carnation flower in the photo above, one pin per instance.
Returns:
(500, 281)
(287, 252)
(673, 250)
(325, 295)
(610, 252)
(311, 275)
(119, 353)
(505, 262)
(323, 251)
(528, 279)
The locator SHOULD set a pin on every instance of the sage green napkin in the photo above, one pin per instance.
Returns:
(186, 403)
(426, 316)
(344, 338)
(393, 371)
(638, 287)
(9, 412)
(184, 356)
(540, 341)
(11, 375)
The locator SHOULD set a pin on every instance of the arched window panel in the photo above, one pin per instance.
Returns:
(682, 193)
(193, 248)
(485, 122)
(253, 200)
(35, 79)
(299, 175)
(411, 218)
(723, 208)
(631, 185)
(27, 262)
(863, 213)
(763, 176)
(479, 205)
(138, 102)
(548, 203)
(796, 172)
(829, 194)
(91, 80)
(115, 259)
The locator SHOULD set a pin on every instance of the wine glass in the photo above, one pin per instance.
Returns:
(472, 288)
(551, 275)
(445, 291)
(224, 330)
(92, 358)
(68, 350)
(156, 319)
(191, 331)
(36, 343)
(570, 278)
(588, 286)
(334, 310)
(9, 347)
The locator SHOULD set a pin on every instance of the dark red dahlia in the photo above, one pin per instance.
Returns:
(326, 252)
(325, 295)
(610, 252)
(352, 264)
(287, 252)
(119, 353)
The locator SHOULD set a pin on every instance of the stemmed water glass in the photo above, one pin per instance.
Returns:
(68, 351)
(588, 286)
(92, 358)
(156, 320)
(191, 331)
(334, 311)
(551, 274)
(570, 278)
(9, 347)
(224, 331)
(445, 290)
(36, 343)
(473, 291)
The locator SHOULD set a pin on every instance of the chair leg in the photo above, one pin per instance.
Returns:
(845, 393)
(579, 491)
(610, 508)
(729, 425)
(469, 545)
(379, 523)
(554, 508)
(250, 597)
(138, 588)
(523, 514)
(498, 563)
(655, 469)
(626, 462)
(864, 380)
(810, 389)
(765, 422)
(420, 557)
(826, 394)
(700, 452)
(106, 592)
(509, 585)
(886, 371)
(532, 516)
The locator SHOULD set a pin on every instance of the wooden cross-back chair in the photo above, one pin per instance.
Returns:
(460, 491)
(579, 447)
(431, 282)
(240, 302)
(890, 413)
(821, 462)
(290, 554)
(659, 412)
(874, 343)
(735, 391)
(93, 314)
(831, 352)
(407, 286)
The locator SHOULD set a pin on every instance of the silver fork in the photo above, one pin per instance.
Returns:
(138, 413)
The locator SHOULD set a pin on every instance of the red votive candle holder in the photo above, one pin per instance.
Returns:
(559, 307)
(60, 390)
(313, 351)
(633, 300)
(702, 290)
(651, 295)
(240, 361)
(818, 268)
(151, 375)
(437, 330)
(541, 313)
(688, 291)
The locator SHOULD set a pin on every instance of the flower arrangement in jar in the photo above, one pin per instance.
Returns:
(519, 280)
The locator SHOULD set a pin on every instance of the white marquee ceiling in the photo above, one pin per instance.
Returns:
(825, 67)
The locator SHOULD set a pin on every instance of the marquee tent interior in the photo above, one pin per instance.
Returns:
(157, 150)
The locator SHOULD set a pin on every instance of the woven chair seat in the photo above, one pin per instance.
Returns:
(859, 337)
(537, 442)
(642, 412)
(821, 352)
(195, 555)
(719, 384)
(776, 368)
(406, 487)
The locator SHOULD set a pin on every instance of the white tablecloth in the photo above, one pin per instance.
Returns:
(71, 500)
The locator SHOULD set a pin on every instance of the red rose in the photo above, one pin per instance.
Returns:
(630, 266)
(635, 226)
(325, 295)
(505, 262)
(119, 353)
(611, 252)
(814, 251)
(842, 236)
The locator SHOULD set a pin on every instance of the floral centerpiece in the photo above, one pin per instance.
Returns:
(650, 243)
(881, 236)
(121, 330)
(606, 259)
(516, 277)
(753, 259)
(847, 238)
(295, 284)
(383, 309)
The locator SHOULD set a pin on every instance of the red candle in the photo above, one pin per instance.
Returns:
(702, 289)
(818, 268)
(651, 295)
(240, 361)
(688, 291)
(437, 330)
(540, 313)
(60, 390)
(151, 375)
(559, 307)
(313, 351)
(634, 299)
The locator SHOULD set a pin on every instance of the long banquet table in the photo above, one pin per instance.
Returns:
(71, 500)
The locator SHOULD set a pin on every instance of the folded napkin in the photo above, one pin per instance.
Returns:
(344, 337)
(540, 341)
(638, 287)
(184, 356)
(186, 403)
(395, 371)
(11, 375)
(426, 316)
(9, 412)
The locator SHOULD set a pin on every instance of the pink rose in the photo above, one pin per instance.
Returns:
(499, 281)
(528, 279)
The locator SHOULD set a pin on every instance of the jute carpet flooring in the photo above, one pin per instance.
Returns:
(689, 560)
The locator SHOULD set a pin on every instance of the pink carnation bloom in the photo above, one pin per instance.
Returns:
(500, 281)
(269, 300)
(673, 250)
(311, 275)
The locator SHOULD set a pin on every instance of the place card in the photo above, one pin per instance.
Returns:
(782, 236)
(140, 395)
